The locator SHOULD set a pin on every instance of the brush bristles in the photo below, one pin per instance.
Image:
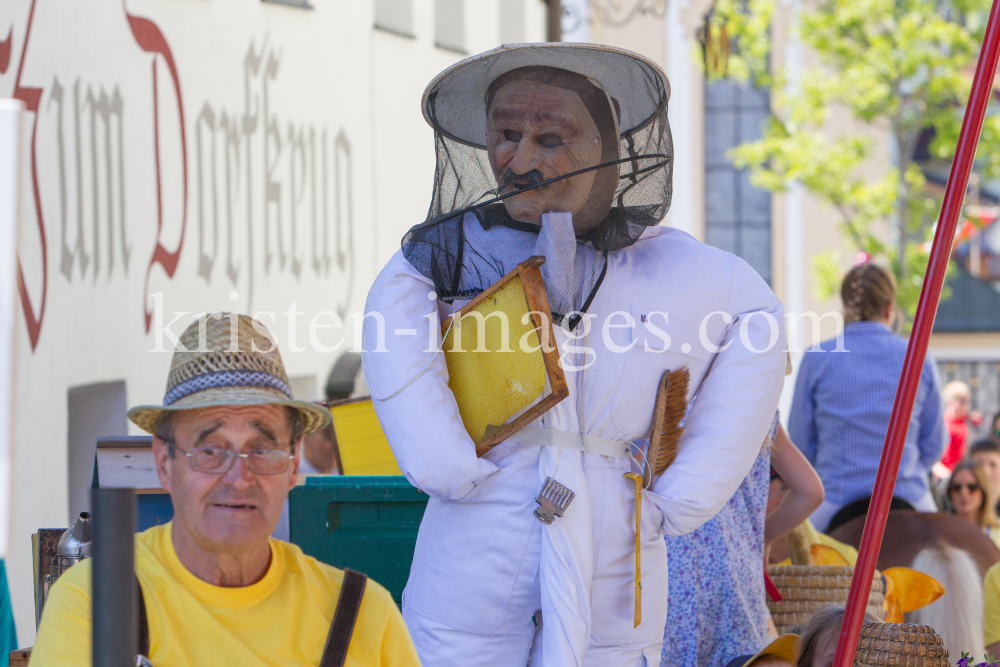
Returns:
(671, 406)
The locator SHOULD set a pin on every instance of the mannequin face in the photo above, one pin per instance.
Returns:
(536, 132)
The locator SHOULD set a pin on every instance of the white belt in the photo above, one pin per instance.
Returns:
(595, 444)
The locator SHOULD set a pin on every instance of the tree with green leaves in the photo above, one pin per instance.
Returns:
(898, 66)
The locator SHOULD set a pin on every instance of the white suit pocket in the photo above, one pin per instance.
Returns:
(511, 461)
(613, 605)
(457, 599)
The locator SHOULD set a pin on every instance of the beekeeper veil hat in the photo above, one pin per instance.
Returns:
(579, 130)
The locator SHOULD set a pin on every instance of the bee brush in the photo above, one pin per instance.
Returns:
(668, 411)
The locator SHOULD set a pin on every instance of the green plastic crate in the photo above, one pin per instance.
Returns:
(366, 523)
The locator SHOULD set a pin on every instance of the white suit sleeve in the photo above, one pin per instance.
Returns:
(731, 414)
(422, 422)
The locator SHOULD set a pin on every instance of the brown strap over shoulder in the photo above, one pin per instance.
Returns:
(342, 628)
(143, 622)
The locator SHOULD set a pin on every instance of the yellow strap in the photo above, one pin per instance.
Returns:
(637, 478)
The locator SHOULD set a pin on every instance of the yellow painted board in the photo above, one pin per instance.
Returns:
(364, 449)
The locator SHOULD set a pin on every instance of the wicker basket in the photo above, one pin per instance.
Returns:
(900, 645)
(806, 588)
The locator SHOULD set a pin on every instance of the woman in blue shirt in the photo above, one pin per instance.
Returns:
(843, 399)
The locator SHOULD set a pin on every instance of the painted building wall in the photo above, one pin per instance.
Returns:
(183, 156)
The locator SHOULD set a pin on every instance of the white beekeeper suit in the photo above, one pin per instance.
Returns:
(479, 571)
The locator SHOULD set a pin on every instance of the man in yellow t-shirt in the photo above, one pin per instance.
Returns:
(217, 589)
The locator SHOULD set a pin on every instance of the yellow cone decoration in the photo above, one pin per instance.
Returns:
(908, 590)
(824, 555)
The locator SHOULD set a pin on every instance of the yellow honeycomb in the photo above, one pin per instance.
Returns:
(494, 379)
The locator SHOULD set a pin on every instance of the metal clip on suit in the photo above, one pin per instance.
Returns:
(552, 501)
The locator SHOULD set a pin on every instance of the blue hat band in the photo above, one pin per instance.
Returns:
(222, 379)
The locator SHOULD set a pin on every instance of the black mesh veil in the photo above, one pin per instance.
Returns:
(474, 233)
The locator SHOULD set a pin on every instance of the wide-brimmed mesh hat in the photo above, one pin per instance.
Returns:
(469, 239)
(454, 102)
(226, 359)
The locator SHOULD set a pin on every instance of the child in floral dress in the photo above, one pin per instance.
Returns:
(717, 606)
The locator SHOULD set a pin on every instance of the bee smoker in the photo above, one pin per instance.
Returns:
(74, 545)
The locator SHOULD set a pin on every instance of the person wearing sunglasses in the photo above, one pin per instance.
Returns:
(216, 588)
(970, 500)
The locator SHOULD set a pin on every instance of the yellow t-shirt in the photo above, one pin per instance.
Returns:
(991, 603)
(282, 620)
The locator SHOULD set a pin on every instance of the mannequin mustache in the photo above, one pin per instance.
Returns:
(661, 160)
(532, 178)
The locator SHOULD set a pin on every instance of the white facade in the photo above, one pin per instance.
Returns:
(201, 156)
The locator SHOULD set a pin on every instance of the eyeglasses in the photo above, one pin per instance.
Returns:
(971, 488)
(218, 461)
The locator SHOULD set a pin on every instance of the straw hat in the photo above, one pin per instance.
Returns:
(210, 368)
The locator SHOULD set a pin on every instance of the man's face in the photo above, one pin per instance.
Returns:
(236, 511)
(536, 132)
(990, 461)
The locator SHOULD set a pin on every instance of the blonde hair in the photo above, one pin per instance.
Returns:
(956, 388)
(866, 291)
(987, 513)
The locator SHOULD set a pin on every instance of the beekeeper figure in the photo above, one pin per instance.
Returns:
(564, 151)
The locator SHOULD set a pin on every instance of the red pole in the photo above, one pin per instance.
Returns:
(916, 350)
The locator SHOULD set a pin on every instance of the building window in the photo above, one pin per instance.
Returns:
(511, 21)
(93, 411)
(394, 16)
(737, 215)
(449, 24)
